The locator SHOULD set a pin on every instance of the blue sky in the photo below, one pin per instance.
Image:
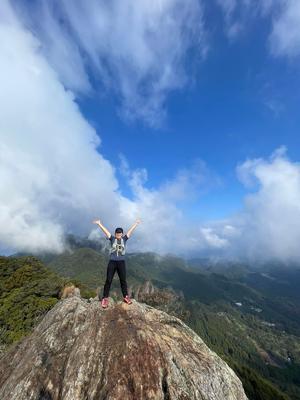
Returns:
(184, 113)
(241, 104)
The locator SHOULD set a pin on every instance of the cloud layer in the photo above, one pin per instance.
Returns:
(268, 227)
(49, 163)
(135, 49)
(53, 176)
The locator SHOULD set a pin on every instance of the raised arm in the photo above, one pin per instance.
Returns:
(98, 222)
(133, 227)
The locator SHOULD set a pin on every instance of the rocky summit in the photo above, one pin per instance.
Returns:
(80, 351)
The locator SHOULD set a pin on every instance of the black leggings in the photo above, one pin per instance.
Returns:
(120, 266)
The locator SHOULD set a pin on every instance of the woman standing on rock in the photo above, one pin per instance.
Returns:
(116, 260)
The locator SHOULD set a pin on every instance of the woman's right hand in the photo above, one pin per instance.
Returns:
(97, 221)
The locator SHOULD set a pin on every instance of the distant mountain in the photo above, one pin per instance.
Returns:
(231, 269)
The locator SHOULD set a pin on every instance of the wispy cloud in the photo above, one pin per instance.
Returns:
(236, 15)
(284, 36)
(232, 26)
(135, 49)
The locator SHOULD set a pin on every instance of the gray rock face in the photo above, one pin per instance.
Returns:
(131, 352)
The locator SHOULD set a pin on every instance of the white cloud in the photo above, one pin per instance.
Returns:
(285, 35)
(272, 217)
(135, 48)
(53, 176)
(53, 179)
(164, 228)
(212, 239)
(269, 225)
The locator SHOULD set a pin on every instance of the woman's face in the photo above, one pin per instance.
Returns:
(119, 235)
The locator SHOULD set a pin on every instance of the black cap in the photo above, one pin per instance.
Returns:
(119, 230)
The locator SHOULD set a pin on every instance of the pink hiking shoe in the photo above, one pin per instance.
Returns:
(127, 299)
(104, 302)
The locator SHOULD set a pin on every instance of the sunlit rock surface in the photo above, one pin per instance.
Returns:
(83, 352)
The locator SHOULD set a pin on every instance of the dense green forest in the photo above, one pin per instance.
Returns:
(250, 318)
(27, 291)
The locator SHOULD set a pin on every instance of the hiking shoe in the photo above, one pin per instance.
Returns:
(104, 302)
(127, 299)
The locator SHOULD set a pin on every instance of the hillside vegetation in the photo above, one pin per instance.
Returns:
(249, 317)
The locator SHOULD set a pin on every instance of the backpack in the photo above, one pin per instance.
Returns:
(118, 248)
